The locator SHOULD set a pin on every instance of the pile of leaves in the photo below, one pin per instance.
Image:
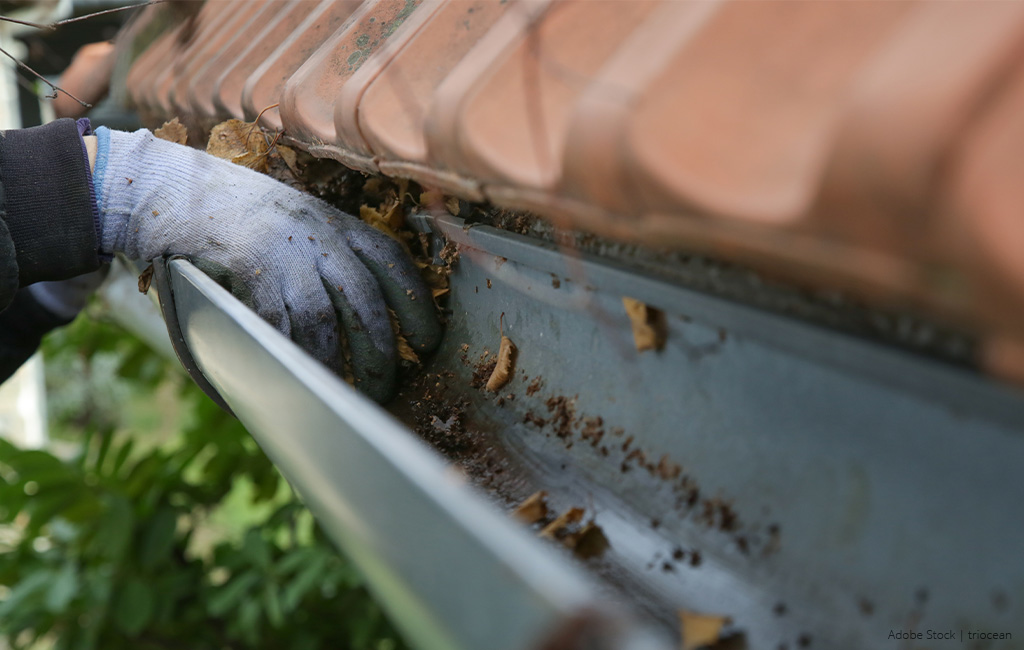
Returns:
(109, 541)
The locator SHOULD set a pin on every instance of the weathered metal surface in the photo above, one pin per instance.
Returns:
(833, 489)
(451, 571)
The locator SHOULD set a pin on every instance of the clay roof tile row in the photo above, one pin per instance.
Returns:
(876, 146)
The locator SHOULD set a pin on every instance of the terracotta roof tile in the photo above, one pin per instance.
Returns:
(873, 146)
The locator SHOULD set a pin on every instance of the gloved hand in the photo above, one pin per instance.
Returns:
(310, 270)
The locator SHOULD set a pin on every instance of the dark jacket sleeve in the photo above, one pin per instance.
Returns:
(22, 326)
(49, 211)
(48, 228)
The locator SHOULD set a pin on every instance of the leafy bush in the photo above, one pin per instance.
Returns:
(129, 534)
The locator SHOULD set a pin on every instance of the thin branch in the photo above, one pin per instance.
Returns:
(24, 22)
(66, 21)
(56, 89)
(256, 121)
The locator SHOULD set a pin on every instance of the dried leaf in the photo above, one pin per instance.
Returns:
(432, 199)
(173, 131)
(379, 221)
(405, 350)
(257, 161)
(567, 518)
(146, 278)
(289, 157)
(533, 508)
(701, 630)
(240, 142)
(587, 543)
(452, 205)
(393, 214)
(649, 330)
(503, 369)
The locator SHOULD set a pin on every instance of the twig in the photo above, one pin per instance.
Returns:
(56, 89)
(67, 21)
(270, 147)
(256, 121)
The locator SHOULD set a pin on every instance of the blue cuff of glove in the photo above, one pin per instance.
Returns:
(99, 172)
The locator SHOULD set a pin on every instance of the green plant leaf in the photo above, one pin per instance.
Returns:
(229, 595)
(63, 588)
(309, 576)
(158, 537)
(133, 606)
(31, 587)
(114, 528)
(122, 455)
(272, 604)
(256, 549)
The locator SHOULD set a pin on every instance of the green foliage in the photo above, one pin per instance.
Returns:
(157, 538)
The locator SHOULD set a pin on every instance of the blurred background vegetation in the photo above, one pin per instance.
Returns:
(153, 520)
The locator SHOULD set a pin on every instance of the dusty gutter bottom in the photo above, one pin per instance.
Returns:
(831, 489)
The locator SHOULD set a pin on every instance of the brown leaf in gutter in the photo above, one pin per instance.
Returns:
(243, 143)
(567, 518)
(173, 131)
(503, 369)
(588, 542)
(533, 508)
(649, 329)
(405, 350)
(289, 157)
(432, 200)
(701, 630)
(452, 205)
(146, 278)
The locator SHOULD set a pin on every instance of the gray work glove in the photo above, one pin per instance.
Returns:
(310, 270)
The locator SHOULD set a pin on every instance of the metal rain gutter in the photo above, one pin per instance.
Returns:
(450, 570)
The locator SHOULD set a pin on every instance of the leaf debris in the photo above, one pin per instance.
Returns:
(649, 329)
(146, 279)
(701, 630)
(586, 541)
(506, 358)
(172, 131)
(405, 350)
(567, 518)
(533, 509)
(243, 143)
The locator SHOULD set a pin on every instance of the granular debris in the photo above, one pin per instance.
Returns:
(532, 418)
(534, 386)
(483, 370)
(449, 253)
(593, 430)
(563, 413)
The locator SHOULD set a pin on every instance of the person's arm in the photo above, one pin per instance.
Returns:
(322, 277)
(50, 215)
(48, 229)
